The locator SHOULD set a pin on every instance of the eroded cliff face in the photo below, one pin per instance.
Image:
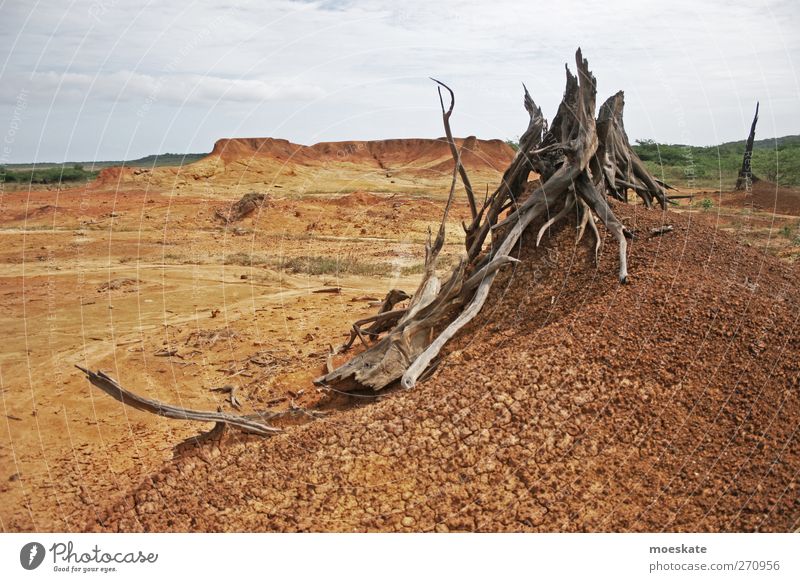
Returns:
(404, 165)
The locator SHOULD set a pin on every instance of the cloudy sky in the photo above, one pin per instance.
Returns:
(115, 79)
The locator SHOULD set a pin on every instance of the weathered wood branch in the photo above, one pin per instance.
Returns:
(513, 182)
(452, 143)
(110, 386)
(617, 164)
(384, 320)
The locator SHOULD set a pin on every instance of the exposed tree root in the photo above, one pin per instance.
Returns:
(580, 160)
(386, 318)
(252, 424)
(568, 205)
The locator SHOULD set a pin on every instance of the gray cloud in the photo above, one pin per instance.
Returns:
(172, 89)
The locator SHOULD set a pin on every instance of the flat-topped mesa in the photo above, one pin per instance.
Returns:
(231, 148)
(433, 154)
(258, 162)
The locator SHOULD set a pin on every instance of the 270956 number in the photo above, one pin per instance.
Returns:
(758, 565)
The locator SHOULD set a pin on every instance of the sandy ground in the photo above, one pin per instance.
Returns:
(107, 279)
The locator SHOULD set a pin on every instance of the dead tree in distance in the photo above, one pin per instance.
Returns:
(746, 178)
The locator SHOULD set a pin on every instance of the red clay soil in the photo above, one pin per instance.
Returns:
(355, 200)
(767, 197)
(111, 177)
(571, 404)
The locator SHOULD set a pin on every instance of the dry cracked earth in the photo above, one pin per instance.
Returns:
(570, 404)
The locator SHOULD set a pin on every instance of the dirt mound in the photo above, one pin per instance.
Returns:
(110, 177)
(767, 197)
(571, 404)
(242, 208)
(32, 213)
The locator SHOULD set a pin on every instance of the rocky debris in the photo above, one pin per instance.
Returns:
(243, 208)
(207, 338)
(126, 284)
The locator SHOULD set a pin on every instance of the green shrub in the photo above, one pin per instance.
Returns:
(245, 259)
(51, 175)
(776, 160)
(342, 265)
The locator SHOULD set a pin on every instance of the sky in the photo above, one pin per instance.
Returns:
(115, 79)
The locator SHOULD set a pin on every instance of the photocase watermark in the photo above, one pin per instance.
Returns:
(98, 9)
(11, 135)
(689, 167)
(66, 558)
(31, 555)
(350, 149)
(747, 172)
(174, 64)
(13, 126)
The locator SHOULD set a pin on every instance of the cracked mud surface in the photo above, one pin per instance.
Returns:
(570, 404)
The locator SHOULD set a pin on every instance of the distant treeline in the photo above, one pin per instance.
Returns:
(776, 160)
(53, 175)
(49, 173)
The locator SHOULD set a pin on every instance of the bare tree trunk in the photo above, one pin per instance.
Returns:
(746, 178)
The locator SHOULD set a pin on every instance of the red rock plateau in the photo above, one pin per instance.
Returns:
(392, 165)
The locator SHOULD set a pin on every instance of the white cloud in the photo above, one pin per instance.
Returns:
(173, 89)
